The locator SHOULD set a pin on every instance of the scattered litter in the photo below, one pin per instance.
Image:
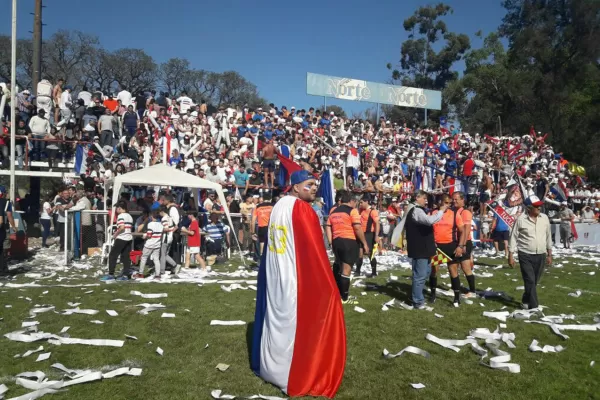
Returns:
(592, 363)
(167, 315)
(29, 352)
(41, 310)
(159, 351)
(112, 313)
(148, 295)
(97, 322)
(89, 342)
(576, 294)
(131, 337)
(149, 308)
(499, 315)
(65, 329)
(417, 385)
(452, 344)
(408, 349)
(222, 367)
(438, 315)
(80, 311)
(226, 323)
(43, 357)
(546, 349)
(360, 310)
(118, 300)
(27, 324)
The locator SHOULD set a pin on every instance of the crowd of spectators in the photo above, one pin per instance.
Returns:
(239, 147)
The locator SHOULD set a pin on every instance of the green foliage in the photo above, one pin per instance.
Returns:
(80, 59)
(548, 77)
(420, 65)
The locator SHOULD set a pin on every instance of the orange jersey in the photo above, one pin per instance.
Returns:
(443, 229)
(263, 214)
(364, 219)
(342, 221)
(467, 217)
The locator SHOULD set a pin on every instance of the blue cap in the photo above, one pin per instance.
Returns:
(300, 176)
(155, 206)
(2, 189)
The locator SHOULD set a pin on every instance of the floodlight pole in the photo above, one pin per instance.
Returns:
(13, 99)
(426, 117)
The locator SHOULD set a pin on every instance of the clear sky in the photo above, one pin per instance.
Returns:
(271, 43)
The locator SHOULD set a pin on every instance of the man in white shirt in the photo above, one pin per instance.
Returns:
(65, 103)
(185, 103)
(124, 96)
(88, 231)
(44, 96)
(40, 127)
(85, 96)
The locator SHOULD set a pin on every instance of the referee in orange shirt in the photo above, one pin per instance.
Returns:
(369, 220)
(344, 232)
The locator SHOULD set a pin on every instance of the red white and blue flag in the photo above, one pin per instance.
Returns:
(299, 335)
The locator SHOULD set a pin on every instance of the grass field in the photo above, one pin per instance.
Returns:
(187, 369)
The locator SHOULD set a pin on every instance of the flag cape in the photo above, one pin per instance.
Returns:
(439, 258)
(299, 335)
(559, 193)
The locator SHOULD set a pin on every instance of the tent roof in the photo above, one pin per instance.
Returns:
(163, 175)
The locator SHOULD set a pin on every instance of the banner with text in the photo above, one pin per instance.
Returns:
(359, 90)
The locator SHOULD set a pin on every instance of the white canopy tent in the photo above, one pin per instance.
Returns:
(163, 175)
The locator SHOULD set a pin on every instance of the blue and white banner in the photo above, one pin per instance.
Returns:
(80, 166)
(359, 90)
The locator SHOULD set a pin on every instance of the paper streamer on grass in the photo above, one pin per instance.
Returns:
(35, 395)
(43, 357)
(408, 349)
(226, 323)
(40, 310)
(149, 308)
(417, 385)
(89, 342)
(501, 358)
(499, 315)
(80, 311)
(38, 375)
(28, 338)
(218, 394)
(29, 352)
(452, 344)
(148, 295)
(534, 347)
(3, 389)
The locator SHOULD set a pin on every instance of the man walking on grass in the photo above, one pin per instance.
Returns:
(532, 239)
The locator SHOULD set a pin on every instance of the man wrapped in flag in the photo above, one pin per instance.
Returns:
(299, 336)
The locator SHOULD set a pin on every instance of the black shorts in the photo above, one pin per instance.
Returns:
(484, 197)
(500, 236)
(262, 234)
(467, 251)
(448, 249)
(345, 251)
(269, 164)
(370, 239)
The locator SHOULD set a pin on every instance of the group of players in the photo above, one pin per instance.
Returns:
(354, 233)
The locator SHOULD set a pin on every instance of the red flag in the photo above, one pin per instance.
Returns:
(289, 165)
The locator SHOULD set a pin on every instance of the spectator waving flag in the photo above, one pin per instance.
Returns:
(81, 153)
(327, 191)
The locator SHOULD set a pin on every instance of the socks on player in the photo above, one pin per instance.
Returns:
(344, 286)
(471, 280)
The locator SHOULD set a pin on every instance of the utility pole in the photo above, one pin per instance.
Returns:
(37, 46)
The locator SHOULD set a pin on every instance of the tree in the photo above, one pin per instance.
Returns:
(420, 65)
(134, 69)
(63, 55)
(176, 75)
(337, 110)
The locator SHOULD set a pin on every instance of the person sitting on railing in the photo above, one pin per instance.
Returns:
(40, 129)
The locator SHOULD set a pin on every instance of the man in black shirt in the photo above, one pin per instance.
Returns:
(140, 104)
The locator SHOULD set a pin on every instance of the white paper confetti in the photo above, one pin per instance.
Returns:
(417, 385)
(43, 356)
(159, 351)
(112, 313)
